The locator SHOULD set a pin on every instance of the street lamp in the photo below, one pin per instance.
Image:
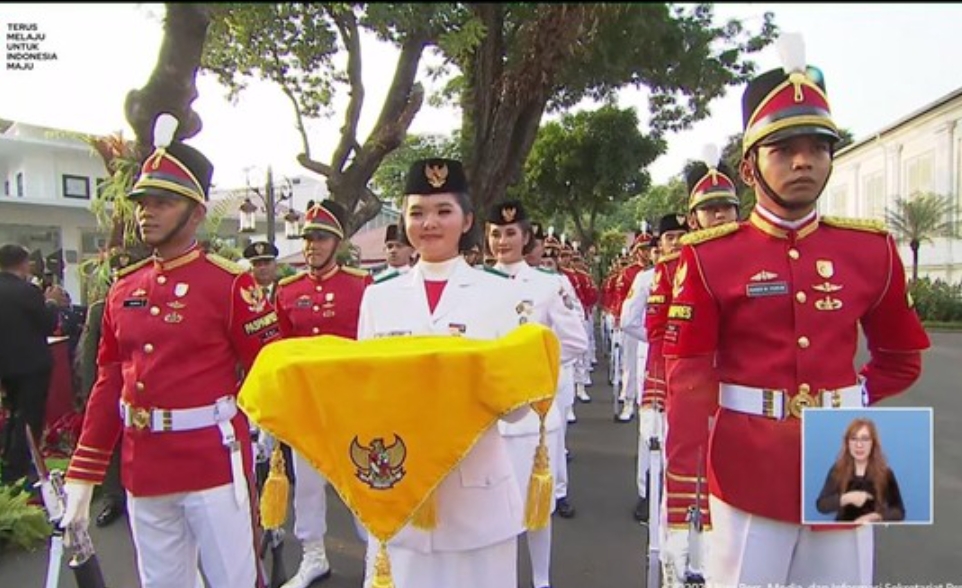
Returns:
(271, 198)
(248, 222)
(292, 224)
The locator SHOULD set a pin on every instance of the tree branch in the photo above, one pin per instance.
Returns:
(370, 206)
(298, 121)
(347, 25)
(315, 166)
(172, 85)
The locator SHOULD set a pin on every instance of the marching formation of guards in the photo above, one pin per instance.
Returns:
(683, 325)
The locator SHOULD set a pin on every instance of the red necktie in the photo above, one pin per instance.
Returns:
(434, 290)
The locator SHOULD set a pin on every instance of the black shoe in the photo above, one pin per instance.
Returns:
(564, 508)
(641, 510)
(113, 511)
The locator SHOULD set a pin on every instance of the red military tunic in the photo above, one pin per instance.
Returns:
(588, 290)
(623, 286)
(175, 334)
(325, 305)
(656, 318)
(785, 317)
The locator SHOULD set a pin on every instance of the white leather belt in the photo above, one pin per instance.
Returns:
(220, 413)
(182, 419)
(778, 405)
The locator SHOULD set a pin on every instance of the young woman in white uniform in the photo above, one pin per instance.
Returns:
(480, 510)
(544, 301)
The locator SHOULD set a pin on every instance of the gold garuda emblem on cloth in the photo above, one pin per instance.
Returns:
(436, 175)
(379, 466)
(254, 297)
(259, 248)
(509, 213)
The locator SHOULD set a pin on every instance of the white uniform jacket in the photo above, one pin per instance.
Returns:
(479, 503)
(547, 302)
(635, 304)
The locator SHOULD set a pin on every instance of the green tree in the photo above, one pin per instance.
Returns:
(391, 175)
(519, 60)
(299, 47)
(922, 218)
(658, 201)
(583, 165)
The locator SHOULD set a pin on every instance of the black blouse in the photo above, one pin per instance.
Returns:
(830, 498)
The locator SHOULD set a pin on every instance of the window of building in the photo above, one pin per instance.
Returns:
(873, 188)
(919, 175)
(76, 187)
(19, 184)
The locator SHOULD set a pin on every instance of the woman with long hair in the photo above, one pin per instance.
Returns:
(861, 487)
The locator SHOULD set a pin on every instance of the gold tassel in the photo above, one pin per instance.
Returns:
(537, 512)
(274, 497)
(426, 516)
(382, 569)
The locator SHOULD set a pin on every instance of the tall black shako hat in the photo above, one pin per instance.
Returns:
(436, 176)
(710, 180)
(393, 233)
(672, 222)
(506, 213)
(787, 102)
(173, 167)
(326, 216)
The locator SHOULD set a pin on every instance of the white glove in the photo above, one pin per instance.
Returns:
(77, 512)
(648, 422)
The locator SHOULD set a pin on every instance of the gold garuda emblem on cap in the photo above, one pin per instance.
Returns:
(681, 219)
(509, 213)
(259, 248)
(379, 466)
(436, 175)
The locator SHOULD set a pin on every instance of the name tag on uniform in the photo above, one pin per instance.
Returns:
(391, 334)
(457, 329)
(303, 302)
(135, 303)
(766, 289)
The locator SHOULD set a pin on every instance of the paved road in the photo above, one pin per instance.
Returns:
(602, 547)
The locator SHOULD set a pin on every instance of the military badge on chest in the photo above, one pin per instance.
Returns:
(328, 305)
(826, 271)
(764, 284)
(174, 317)
(524, 310)
(254, 297)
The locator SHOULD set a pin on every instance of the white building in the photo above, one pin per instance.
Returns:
(50, 178)
(918, 154)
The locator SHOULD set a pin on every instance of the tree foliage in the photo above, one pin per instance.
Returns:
(582, 166)
(313, 51)
(920, 219)
(534, 57)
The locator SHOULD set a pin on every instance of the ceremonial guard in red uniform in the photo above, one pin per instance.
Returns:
(712, 201)
(175, 329)
(324, 300)
(755, 343)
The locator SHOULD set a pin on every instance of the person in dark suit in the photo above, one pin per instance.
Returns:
(27, 317)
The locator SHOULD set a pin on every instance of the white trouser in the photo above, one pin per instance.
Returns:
(590, 327)
(748, 549)
(521, 449)
(629, 367)
(641, 363)
(650, 423)
(310, 502)
(493, 566)
(560, 469)
(170, 531)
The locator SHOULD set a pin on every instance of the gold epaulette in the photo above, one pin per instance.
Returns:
(291, 279)
(708, 234)
(225, 264)
(133, 267)
(856, 224)
(354, 271)
(669, 257)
